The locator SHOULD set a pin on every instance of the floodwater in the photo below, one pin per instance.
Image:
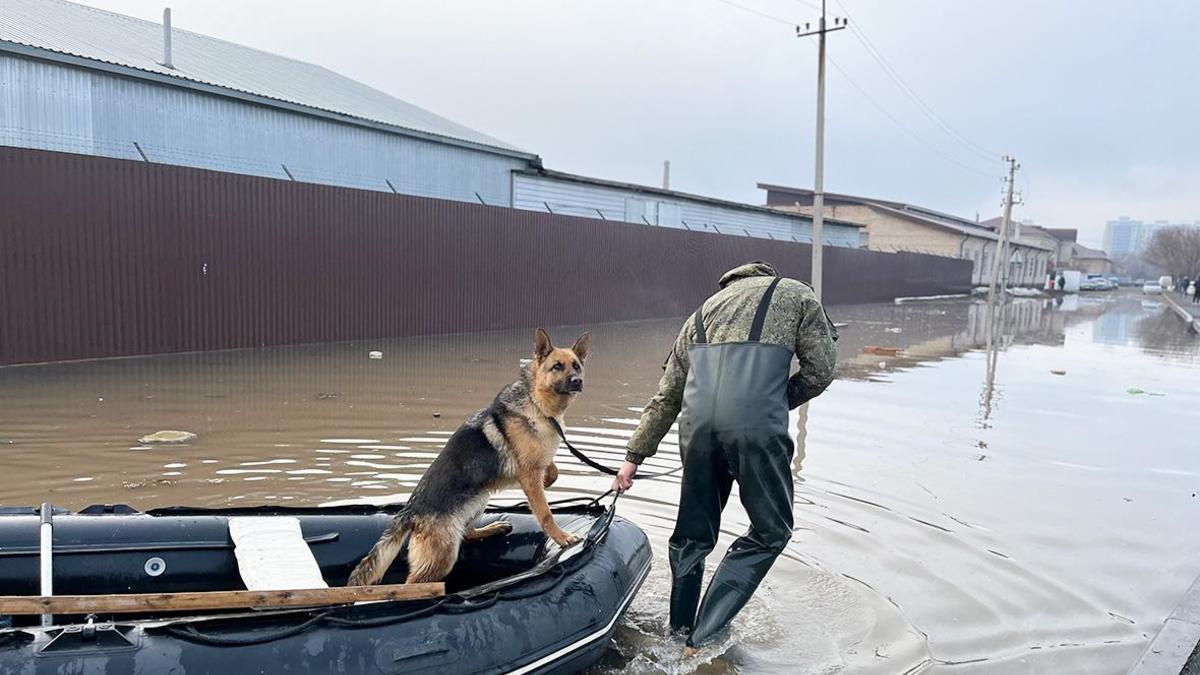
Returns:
(959, 507)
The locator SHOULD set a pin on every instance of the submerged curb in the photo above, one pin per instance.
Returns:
(1168, 653)
(1183, 313)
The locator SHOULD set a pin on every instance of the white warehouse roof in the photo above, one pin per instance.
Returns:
(135, 48)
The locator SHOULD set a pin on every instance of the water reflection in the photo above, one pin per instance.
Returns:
(994, 312)
(801, 438)
(915, 547)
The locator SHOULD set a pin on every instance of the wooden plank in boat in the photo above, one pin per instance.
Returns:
(175, 602)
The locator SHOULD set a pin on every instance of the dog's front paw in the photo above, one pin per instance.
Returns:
(565, 539)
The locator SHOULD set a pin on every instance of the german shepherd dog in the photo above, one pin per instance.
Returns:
(511, 442)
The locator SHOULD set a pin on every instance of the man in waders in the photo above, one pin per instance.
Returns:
(728, 372)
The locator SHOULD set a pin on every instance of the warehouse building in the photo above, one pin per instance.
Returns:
(893, 226)
(82, 80)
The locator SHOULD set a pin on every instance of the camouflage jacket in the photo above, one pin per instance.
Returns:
(796, 319)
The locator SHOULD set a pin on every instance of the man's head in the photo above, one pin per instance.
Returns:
(557, 369)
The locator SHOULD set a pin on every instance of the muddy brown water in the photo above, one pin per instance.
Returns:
(958, 509)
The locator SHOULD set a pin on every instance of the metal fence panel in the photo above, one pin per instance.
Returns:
(103, 257)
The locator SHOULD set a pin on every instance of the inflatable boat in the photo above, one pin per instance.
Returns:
(516, 603)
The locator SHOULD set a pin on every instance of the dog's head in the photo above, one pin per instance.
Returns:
(556, 369)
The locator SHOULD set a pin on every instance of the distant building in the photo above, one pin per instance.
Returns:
(896, 226)
(1125, 237)
(1068, 253)
(1040, 236)
(1088, 260)
(83, 80)
(1066, 238)
(1121, 236)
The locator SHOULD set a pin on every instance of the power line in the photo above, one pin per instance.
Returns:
(763, 15)
(878, 106)
(929, 146)
(908, 91)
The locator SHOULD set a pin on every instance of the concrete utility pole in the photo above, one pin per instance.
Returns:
(999, 270)
(819, 178)
(666, 174)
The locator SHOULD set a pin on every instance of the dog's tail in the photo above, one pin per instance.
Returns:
(371, 569)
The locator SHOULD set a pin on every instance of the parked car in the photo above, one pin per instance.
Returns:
(1152, 287)
(1095, 282)
(1115, 282)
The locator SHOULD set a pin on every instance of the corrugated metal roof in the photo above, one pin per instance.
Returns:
(633, 187)
(67, 28)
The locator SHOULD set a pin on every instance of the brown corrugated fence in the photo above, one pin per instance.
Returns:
(102, 257)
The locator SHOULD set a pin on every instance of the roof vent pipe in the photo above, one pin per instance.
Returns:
(167, 39)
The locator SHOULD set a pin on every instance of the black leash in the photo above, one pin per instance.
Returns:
(600, 467)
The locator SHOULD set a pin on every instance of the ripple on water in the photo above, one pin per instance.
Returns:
(846, 628)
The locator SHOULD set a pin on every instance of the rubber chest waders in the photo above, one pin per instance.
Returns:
(733, 426)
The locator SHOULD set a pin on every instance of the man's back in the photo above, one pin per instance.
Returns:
(795, 320)
(729, 312)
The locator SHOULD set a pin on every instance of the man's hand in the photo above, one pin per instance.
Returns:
(624, 479)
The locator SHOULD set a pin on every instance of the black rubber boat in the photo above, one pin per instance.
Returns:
(514, 604)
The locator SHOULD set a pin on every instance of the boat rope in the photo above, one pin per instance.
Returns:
(189, 632)
(600, 467)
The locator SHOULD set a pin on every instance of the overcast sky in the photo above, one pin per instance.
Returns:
(1099, 100)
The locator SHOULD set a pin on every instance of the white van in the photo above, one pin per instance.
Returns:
(1165, 283)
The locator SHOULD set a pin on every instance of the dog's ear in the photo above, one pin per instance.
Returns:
(581, 346)
(541, 344)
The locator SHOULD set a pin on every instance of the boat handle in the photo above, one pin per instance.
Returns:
(46, 552)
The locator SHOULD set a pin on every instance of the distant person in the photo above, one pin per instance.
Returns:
(1183, 286)
(1194, 292)
(1062, 282)
(728, 373)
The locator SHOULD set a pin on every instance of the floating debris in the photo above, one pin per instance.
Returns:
(1058, 372)
(881, 351)
(897, 329)
(327, 396)
(375, 355)
(168, 436)
(1137, 392)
